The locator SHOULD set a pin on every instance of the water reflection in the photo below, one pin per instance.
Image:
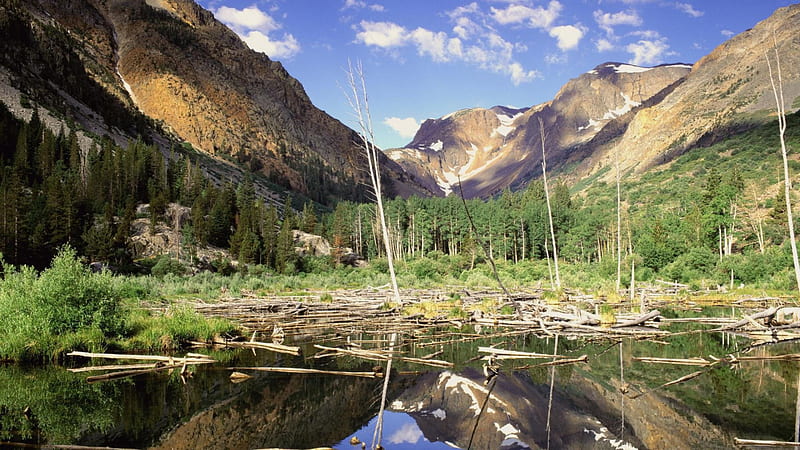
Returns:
(428, 409)
(401, 431)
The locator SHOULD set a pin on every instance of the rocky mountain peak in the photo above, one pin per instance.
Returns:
(491, 149)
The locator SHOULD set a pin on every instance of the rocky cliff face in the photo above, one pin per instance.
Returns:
(181, 69)
(492, 149)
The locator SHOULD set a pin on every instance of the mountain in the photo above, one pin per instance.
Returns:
(642, 116)
(491, 149)
(169, 71)
(586, 415)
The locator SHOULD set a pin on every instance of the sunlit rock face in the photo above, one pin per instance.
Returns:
(584, 415)
(189, 78)
(491, 149)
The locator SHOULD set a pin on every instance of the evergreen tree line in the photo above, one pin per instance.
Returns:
(715, 227)
(55, 193)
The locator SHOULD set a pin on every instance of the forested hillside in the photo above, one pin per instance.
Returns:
(713, 211)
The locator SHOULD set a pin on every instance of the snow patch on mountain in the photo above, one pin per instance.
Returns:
(628, 105)
(505, 124)
(437, 146)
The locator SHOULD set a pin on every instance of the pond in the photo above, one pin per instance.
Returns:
(610, 400)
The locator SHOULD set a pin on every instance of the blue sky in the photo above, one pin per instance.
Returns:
(427, 58)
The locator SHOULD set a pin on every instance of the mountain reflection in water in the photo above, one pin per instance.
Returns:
(430, 410)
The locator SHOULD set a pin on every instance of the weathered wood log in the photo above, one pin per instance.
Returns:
(298, 370)
(638, 320)
(500, 353)
(111, 367)
(761, 443)
(767, 313)
(271, 346)
(130, 373)
(676, 361)
(168, 359)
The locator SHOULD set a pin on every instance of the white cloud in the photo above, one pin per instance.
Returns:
(607, 21)
(604, 45)
(406, 128)
(537, 17)
(431, 44)
(409, 433)
(568, 36)
(646, 34)
(254, 28)
(727, 33)
(250, 18)
(519, 74)
(688, 9)
(356, 4)
(260, 42)
(382, 34)
(480, 46)
(647, 52)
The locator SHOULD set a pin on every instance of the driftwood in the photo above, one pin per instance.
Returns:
(499, 353)
(299, 370)
(129, 370)
(271, 346)
(760, 443)
(375, 356)
(192, 358)
(639, 320)
(130, 373)
(767, 313)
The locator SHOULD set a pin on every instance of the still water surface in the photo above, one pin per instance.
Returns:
(591, 405)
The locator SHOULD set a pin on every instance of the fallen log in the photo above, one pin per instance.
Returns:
(298, 370)
(769, 312)
(195, 359)
(639, 320)
(760, 443)
(676, 361)
(271, 346)
(130, 373)
(500, 353)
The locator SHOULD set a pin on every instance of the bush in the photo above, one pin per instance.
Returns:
(67, 299)
(167, 265)
(698, 263)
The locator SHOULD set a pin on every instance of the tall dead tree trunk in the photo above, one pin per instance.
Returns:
(777, 90)
(549, 209)
(359, 102)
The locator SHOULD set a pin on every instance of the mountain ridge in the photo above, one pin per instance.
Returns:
(636, 119)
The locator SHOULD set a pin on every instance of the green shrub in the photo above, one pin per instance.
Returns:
(42, 313)
(167, 265)
(696, 264)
